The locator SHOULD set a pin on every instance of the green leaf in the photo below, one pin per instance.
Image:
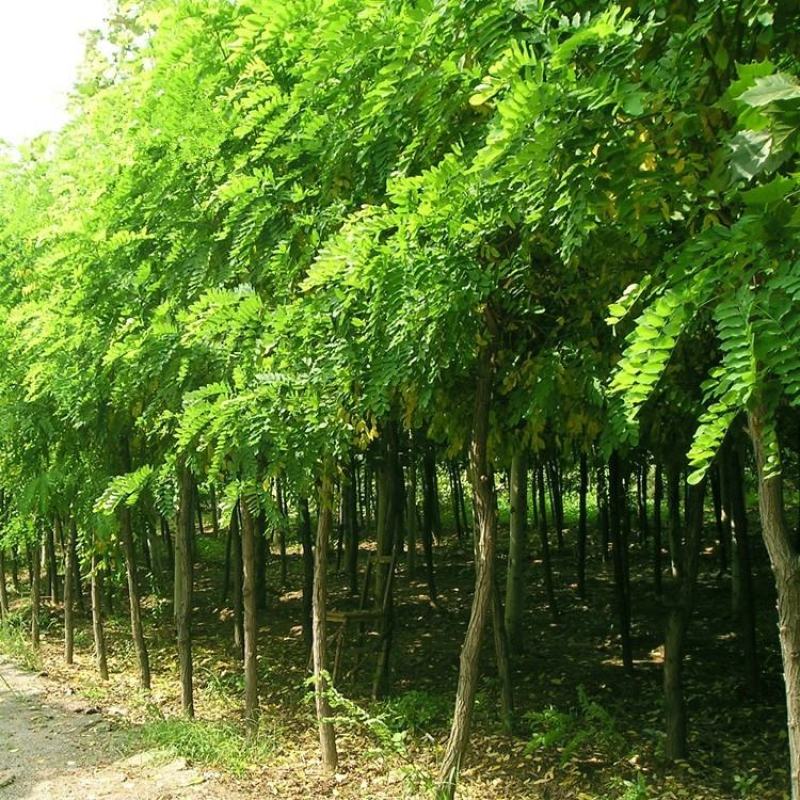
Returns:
(772, 192)
(632, 104)
(751, 151)
(771, 89)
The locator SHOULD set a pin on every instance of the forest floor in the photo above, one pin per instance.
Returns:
(585, 729)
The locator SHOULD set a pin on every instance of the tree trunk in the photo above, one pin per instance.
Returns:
(517, 552)
(183, 584)
(282, 535)
(108, 594)
(486, 521)
(15, 570)
(237, 583)
(617, 508)
(502, 659)
(260, 564)
(36, 594)
(602, 512)
(367, 489)
(250, 618)
(76, 568)
(428, 515)
(212, 496)
(454, 497)
(137, 632)
(556, 500)
(156, 555)
(148, 560)
(327, 737)
(411, 515)
(69, 601)
(387, 511)
(437, 508)
(545, 541)
(641, 496)
(226, 571)
(308, 572)
(97, 617)
(350, 514)
(734, 522)
(3, 590)
(658, 495)
(674, 518)
(358, 480)
(52, 565)
(390, 545)
(461, 500)
(679, 610)
(199, 505)
(167, 537)
(583, 491)
(785, 562)
(338, 494)
(722, 539)
(626, 533)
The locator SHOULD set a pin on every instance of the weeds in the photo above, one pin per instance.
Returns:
(746, 786)
(390, 728)
(417, 712)
(569, 732)
(626, 789)
(220, 744)
(14, 642)
(223, 684)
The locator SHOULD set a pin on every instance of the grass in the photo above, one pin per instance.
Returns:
(15, 644)
(220, 744)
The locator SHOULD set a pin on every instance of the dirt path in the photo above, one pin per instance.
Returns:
(56, 747)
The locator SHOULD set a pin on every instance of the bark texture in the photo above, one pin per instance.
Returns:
(785, 561)
(183, 585)
(486, 521)
(250, 617)
(327, 736)
(36, 595)
(137, 630)
(517, 552)
(679, 608)
(69, 596)
(101, 658)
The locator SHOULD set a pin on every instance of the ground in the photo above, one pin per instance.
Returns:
(585, 730)
(58, 746)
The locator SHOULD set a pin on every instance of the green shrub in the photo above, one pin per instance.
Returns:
(746, 786)
(390, 728)
(588, 723)
(417, 711)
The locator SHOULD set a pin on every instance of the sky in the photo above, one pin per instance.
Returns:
(40, 50)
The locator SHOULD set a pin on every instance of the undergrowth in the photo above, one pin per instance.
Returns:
(391, 726)
(214, 743)
(568, 732)
(15, 644)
